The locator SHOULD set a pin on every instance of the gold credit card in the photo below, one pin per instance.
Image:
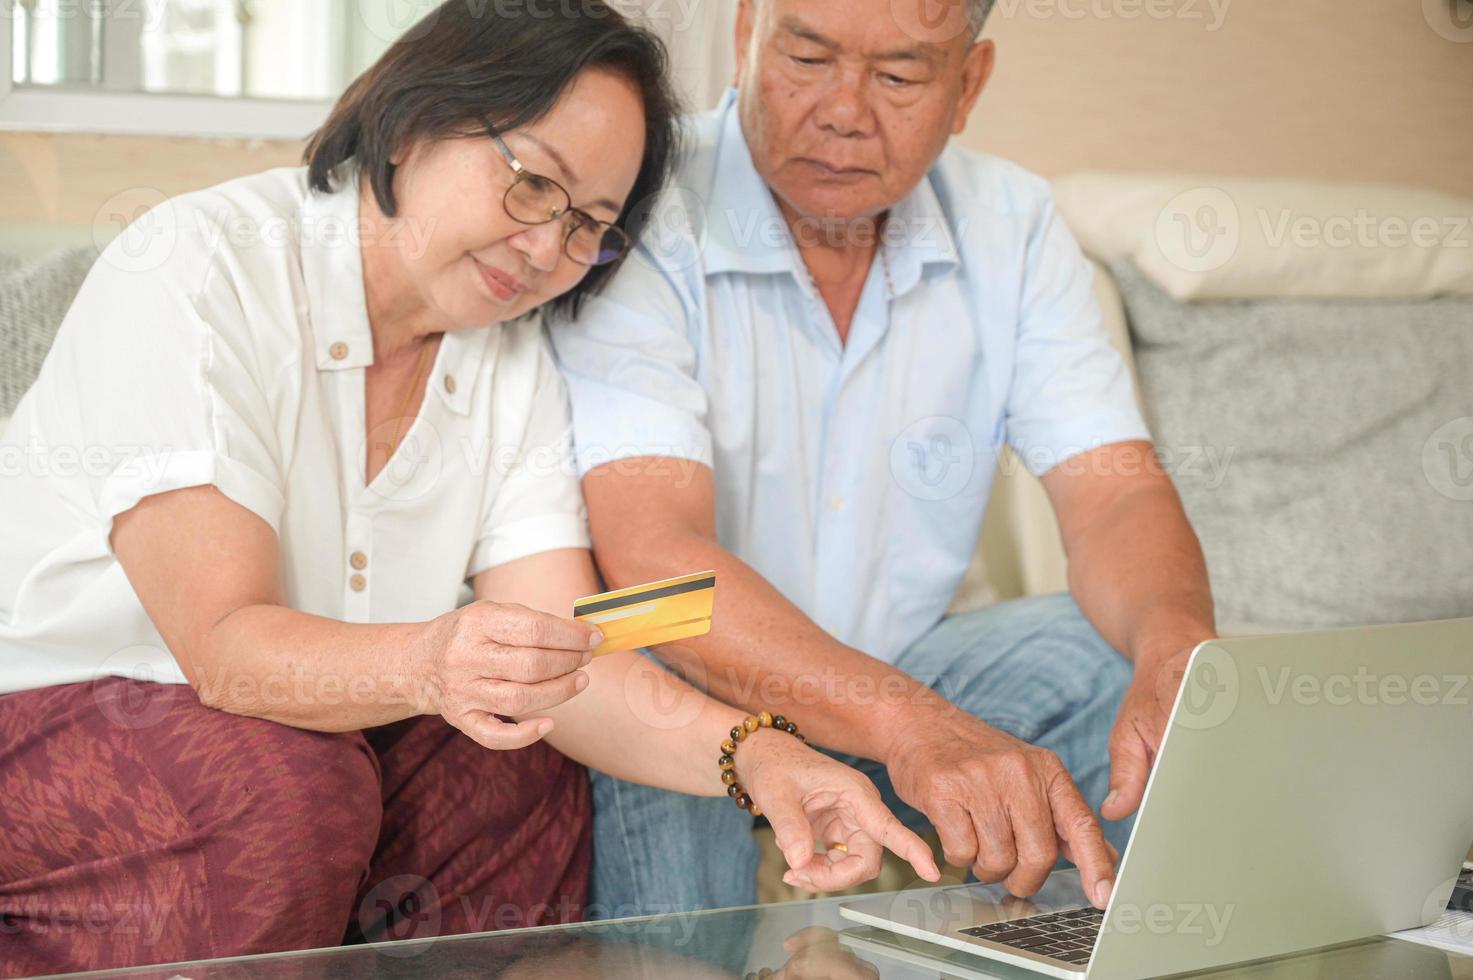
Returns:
(648, 615)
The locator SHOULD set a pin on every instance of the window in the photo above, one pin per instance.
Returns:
(251, 68)
(251, 48)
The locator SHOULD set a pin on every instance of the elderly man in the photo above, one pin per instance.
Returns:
(803, 382)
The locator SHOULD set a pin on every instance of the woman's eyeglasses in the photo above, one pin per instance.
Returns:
(536, 200)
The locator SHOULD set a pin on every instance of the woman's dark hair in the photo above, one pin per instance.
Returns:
(507, 62)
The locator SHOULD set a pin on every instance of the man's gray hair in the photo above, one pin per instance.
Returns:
(977, 11)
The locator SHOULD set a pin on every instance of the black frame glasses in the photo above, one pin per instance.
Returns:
(588, 242)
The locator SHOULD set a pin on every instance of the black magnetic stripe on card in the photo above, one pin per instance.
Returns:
(634, 600)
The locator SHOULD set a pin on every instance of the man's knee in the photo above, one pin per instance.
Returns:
(658, 851)
(1057, 615)
(1027, 666)
(1055, 632)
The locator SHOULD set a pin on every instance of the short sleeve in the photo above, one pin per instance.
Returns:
(535, 503)
(155, 376)
(1071, 391)
(631, 366)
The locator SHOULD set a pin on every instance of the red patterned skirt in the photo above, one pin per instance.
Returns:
(138, 826)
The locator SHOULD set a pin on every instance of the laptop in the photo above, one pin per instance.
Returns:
(1462, 900)
(1312, 789)
(902, 958)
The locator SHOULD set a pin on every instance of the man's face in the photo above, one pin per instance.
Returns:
(845, 104)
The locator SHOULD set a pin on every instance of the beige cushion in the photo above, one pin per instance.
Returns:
(1201, 238)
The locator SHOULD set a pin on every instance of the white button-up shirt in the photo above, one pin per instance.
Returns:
(853, 476)
(223, 341)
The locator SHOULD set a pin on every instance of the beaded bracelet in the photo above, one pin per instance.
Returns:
(727, 762)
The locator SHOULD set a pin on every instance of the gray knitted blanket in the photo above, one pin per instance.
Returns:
(34, 298)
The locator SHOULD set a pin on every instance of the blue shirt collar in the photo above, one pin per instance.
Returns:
(746, 231)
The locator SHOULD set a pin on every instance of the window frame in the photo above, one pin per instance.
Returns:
(87, 109)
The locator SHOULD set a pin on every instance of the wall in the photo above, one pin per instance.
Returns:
(1377, 90)
(58, 188)
(1367, 90)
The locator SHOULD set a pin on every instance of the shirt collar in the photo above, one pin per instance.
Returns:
(332, 265)
(746, 231)
(462, 353)
(918, 235)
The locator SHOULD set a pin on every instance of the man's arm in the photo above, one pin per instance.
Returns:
(1137, 571)
(762, 652)
(1001, 806)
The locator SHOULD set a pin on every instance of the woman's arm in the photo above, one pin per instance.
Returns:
(633, 712)
(638, 722)
(206, 571)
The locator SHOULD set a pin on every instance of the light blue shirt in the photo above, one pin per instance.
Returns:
(853, 476)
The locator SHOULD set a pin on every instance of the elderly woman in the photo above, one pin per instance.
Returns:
(289, 419)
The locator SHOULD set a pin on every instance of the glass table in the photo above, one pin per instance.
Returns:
(791, 941)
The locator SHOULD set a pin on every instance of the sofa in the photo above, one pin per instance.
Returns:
(1303, 353)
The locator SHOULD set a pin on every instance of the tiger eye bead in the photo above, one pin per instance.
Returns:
(727, 760)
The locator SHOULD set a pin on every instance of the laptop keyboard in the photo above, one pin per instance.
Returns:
(1069, 936)
(1462, 900)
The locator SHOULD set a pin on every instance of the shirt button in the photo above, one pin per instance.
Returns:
(450, 383)
(358, 583)
(359, 560)
(339, 351)
(836, 504)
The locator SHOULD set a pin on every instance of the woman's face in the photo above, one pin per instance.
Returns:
(468, 262)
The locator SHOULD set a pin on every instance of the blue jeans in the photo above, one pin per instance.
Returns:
(1034, 668)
